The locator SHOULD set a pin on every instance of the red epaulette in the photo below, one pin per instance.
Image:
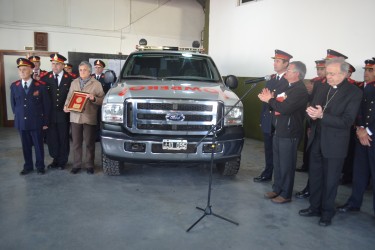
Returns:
(50, 75)
(316, 79)
(102, 76)
(66, 75)
(74, 76)
(43, 73)
(39, 82)
(273, 76)
(351, 81)
(17, 83)
(360, 84)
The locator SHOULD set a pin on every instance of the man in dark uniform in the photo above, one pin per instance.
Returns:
(31, 106)
(99, 66)
(69, 69)
(37, 72)
(317, 81)
(364, 159)
(289, 108)
(347, 170)
(277, 84)
(332, 113)
(58, 84)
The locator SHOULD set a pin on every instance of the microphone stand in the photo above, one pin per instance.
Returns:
(208, 209)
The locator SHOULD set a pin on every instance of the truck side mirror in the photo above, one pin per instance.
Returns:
(231, 81)
(110, 77)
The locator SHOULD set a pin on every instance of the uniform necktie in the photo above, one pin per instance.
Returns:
(97, 78)
(57, 80)
(277, 78)
(25, 87)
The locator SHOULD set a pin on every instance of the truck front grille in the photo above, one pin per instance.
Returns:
(172, 117)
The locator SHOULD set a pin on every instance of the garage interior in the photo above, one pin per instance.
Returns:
(152, 206)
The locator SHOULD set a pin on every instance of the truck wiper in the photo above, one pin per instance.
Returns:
(140, 77)
(189, 78)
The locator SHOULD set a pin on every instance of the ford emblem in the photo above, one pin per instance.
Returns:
(176, 117)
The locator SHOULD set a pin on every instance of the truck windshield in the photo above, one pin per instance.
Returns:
(170, 66)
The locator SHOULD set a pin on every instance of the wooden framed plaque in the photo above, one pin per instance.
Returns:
(41, 41)
(78, 101)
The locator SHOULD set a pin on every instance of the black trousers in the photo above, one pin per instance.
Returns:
(268, 155)
(30, 138)
(364, 168)
(324, 175)
(58, 142)
(285, 159)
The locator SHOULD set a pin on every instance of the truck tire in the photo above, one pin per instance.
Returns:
(111, 167)
(229, 168)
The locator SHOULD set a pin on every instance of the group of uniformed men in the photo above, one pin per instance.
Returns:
(339, 134)
(38, 100)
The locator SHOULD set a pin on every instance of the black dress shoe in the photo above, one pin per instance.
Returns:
(53, 165)
(345, 181)
(261, 179)
(40, 171)
(61, 167)
(25, 171)
(308, 212)
(325, 222)
(301, 169)
(303, 194)
(75, 170)
(90, 170)
(347, 208)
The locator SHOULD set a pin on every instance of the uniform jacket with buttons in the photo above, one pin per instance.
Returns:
(31, 110)
(58, 95)
(276, 86)
(90, 110)
(105, 86)
(366, 115)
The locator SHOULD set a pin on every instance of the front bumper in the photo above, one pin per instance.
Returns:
(115, 146)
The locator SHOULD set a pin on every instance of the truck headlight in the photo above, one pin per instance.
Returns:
(234, 117)
(113, 112)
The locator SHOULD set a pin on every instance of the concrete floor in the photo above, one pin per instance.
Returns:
(151, 207)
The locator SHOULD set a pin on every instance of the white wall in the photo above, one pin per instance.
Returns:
(243, 38)
(98, 26)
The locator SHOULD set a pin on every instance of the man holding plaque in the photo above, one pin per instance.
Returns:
(58, 83)
(84, 99)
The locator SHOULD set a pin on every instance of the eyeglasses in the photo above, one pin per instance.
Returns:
(333, 73)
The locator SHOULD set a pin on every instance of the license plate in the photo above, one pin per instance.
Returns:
(174, 144)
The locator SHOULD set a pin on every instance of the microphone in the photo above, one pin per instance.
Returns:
(256, 80)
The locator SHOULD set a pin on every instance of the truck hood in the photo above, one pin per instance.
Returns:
(158, 89)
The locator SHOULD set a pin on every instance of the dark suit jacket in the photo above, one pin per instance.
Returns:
(31, 110)
(290, 111)
(105, 86)
(338, 117)
(267, 113)
(58, 96)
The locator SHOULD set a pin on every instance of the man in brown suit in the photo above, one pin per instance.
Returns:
(84, 123)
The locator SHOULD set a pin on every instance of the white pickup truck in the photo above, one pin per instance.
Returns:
(164, 102)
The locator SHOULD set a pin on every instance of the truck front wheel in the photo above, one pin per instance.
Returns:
(229, 168)
(111, 167)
